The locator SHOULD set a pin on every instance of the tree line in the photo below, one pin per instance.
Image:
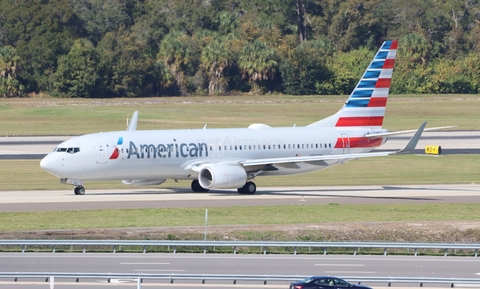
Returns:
(130, 48)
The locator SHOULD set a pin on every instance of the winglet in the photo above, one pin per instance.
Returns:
(413, 141)
(133, 122)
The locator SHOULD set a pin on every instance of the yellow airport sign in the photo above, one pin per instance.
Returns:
(433, 150)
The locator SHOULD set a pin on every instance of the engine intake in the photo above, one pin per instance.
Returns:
(222, 176)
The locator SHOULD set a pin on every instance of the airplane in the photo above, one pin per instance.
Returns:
(232, 158)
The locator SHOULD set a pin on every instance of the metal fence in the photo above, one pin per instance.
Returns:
(265, 279)
(205, 245)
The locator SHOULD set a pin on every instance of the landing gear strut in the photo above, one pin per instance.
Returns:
(79, 190)
(248, 189)
(197, 188)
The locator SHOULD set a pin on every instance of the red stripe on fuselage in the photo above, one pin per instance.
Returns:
(377, 102)
(358, 142)
(360, 121)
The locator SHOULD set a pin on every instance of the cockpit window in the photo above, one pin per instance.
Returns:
(68, 150)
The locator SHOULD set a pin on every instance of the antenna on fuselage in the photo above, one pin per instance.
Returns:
(133, 122)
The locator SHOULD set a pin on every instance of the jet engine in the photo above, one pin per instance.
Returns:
(222, 176)
(143, 182)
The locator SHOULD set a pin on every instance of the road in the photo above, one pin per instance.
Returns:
(343, 266)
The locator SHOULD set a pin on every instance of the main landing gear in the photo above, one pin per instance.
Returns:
(197, 188)
(79, 190)
(248, 189)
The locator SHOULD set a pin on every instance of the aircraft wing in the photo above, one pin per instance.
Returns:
(307, 159)
(132, 125)
(407, 149)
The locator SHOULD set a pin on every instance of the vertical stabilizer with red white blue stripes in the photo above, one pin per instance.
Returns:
(365, 108)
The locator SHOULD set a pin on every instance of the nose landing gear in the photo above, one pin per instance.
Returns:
(79, 190)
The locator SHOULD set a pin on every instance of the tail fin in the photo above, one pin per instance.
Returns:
(366, 105)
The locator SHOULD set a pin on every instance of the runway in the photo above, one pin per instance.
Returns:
(23, 201)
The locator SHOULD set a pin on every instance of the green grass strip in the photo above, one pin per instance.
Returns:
(286, 214)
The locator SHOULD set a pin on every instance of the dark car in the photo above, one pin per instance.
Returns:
(324, 282)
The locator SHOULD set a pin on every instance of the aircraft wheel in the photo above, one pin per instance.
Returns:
(197, 188)
(248, 189)
(80, 190)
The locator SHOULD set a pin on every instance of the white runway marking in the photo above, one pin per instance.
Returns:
(341, 265)
(351, 272)
(126, 263)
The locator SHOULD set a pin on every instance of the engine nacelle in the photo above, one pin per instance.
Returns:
(222, 176)
(143, 182)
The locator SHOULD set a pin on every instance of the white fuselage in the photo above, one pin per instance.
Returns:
(170, 154)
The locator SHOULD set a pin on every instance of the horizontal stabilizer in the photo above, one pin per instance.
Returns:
(376, 135)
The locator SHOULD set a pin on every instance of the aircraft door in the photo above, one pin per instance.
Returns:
(346, 143)
(101, 151)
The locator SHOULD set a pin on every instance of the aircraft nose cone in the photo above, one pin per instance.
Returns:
(49, 165)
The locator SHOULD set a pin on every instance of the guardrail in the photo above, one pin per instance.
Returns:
(235, 244)
(139, 278)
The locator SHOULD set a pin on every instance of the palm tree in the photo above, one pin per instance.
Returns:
(215, 58)
(228, 23)
(257, 63)
(9, 65)
(414, 48)
(175, 54)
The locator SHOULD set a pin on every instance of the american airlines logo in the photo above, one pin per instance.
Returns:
(171, 150)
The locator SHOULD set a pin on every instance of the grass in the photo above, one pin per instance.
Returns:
(51, 116)
(286, 214)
